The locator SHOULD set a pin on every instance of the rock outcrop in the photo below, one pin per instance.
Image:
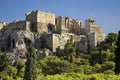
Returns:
(44, 30)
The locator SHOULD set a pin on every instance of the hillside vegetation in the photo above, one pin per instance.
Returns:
(66, 64)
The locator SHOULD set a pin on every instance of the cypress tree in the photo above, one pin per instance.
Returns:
(31, 64)
(117, 55)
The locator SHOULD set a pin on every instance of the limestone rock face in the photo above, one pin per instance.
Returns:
(19, 40)
(22, 39)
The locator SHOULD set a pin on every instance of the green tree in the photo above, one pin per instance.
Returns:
(97, 68)
(57, 67)
(4, 61)
(102, 57)
(70, 51)
(41, 54)
(20, 69)
(53, 65)
(111, 38)
(109, 65)
(31, 64)
(95, 57)
(117, 55)
(87, 69)
(109, 43)
(9, 71)
(59, 52)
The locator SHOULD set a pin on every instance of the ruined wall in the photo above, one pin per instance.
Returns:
(42, 27)
(31, 21)
(82, 44)
(45, 22)
(60, 23)
(31, 16)
(91, 27)
(68, 25)
(92, 40)
(98, 31)
(39, 21)
(77, 25)
(38, 41)
(44, 17)
(91, 21)
(86, 40)
(47, 41)
(95, 29)
(28, 24)
(61, 40)
(1, 25)
(52, 41)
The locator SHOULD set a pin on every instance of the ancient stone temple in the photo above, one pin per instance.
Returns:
(45, 30)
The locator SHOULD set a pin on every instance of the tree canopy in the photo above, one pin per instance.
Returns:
(117, 55)
(31, 65)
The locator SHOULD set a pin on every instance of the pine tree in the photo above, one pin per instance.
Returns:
(31, 64)
(117, 55)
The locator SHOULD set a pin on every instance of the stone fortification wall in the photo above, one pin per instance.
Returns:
(39, 21)
(47, 41)
(91, 21)
(31, 16)
(1, 25)
(82, 44)
(91, 27)
(95, 29)
(92, 37)
(60, 25)
(66, 24)
(44, 17)
(40, 16)
(42, 27)
(31, 21)
(61, 40)
(53, 41)
(99, 33)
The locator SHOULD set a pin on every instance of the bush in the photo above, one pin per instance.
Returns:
(97, 68)
(96, 57)
(52, 65)
(109, 72)
(87, 69)
(79, 76)
(108, 66)
(20, 69)
(84, 61)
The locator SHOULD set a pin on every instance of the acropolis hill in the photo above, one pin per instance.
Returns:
(45, 30)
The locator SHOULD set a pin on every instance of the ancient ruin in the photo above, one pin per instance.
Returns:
(45, 30)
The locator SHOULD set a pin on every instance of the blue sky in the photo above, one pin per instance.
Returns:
(107, 12)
